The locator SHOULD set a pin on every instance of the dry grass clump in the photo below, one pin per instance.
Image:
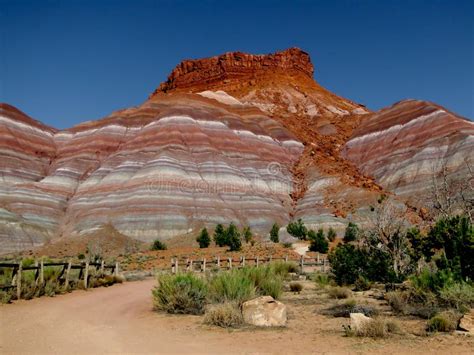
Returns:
(339, 292)
(296, 287)
(375, 328)
(225, 315)
(443, 322)
(5, 297)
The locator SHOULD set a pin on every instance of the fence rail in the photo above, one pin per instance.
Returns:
(64, 274)
(201, 265)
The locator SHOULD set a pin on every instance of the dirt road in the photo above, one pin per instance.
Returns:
(119, 319)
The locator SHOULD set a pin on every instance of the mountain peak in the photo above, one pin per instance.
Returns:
(235, 67)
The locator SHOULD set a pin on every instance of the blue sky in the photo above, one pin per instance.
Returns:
(64, 62)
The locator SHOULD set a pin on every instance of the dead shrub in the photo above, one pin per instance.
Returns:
(375, 328)
(296, 287)
(339, 292)
(225, 315)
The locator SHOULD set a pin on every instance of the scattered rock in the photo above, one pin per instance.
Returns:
(358, 320)
(264, 312)
(467, 322)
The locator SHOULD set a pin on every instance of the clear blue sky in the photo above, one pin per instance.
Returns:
(64, 62)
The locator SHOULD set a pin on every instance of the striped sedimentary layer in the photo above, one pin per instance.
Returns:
(165, 168)
(403, 146)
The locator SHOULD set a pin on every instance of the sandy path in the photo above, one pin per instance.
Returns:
(119, 319)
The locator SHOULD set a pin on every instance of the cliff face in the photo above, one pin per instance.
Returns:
(246, 138)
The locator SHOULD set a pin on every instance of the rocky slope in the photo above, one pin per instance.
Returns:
(246, 138)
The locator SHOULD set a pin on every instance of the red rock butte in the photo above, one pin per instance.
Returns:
(252, 139)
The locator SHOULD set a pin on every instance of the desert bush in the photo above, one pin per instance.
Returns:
(297, 229)
(247, 233)
(339, 292)
(182, 293)
(158, 245)
(5, 297)
(225, 315)
(282, 268)
(362, 284)
(351, 233)
(443, 322)
(296, 287)
(231, 286)
(321, 280)
(398, 301)
(459, 296)
(375, 328)
(319, 242)
(272, 286)
(274, 233)
(287, 245)
(408, 302)
(331, 234)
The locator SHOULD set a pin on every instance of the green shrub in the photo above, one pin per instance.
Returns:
(5, 297)
(158, 245)
(182, 293)
(339, 292)
(297, 229)
(220, 237)
(331, 234)
(347, 262)
(247, 233)
(225, 315)
(398, 301)
(272, 286)
(459, 295)
(287, 245)
(282, 268)
(443, 322)
(203, 239)
(231, 286)
(274, 237)
(362, 284)
(321, 280)
(352, 232)
(318, 241)
(233, 238)
(296, 287)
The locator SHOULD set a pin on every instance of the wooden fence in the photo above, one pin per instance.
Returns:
(64, 274)
(228, 263)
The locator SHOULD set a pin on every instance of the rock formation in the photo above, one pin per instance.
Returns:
(252, 139)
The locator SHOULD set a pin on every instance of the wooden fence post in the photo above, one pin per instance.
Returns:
(243, 261)
(68, 270)
(286, 258)
(117, 268)
(41, 275)
(102, 267)
(203, 265)
(86, 274)
(256, 261)
(191, 265)
(218, 262)
(317, 255)
(18, 281)
(302, 262)
(229, 261)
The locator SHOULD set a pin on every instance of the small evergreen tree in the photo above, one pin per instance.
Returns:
(297, 229)
(247, 234)
(158, 245)
(331, 234)
(318, 241)
(203, 239)
(233, 238)
(352, 232)
(274, 233)
(220, 237)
